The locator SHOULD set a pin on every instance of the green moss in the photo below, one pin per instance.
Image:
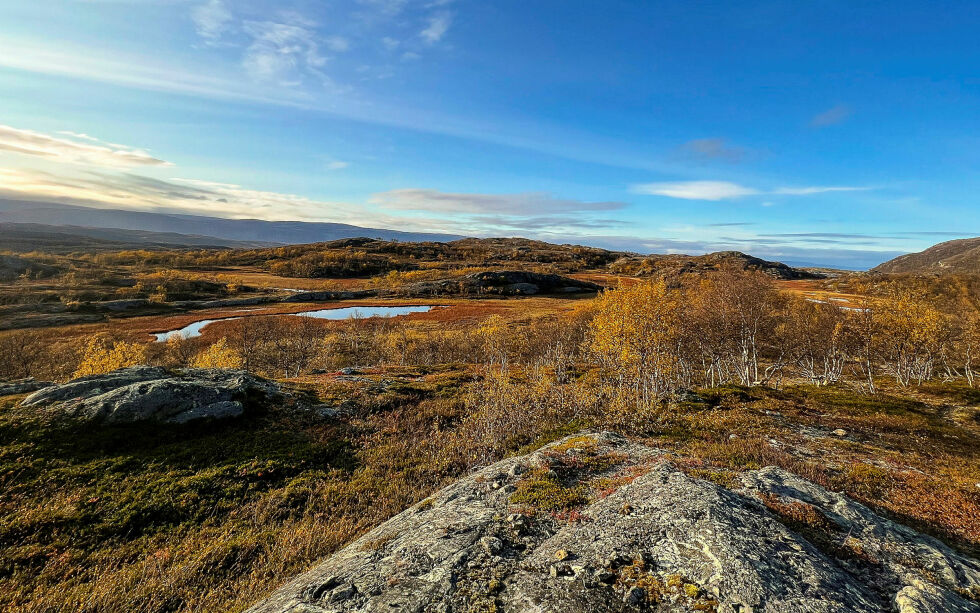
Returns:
(556, 434)
(845, 400)
(542, 491)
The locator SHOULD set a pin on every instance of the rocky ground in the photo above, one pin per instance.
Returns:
(597, 523)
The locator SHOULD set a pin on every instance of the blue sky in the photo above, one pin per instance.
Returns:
(830, 132)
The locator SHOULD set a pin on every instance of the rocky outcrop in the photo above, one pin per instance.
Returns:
(327, 296)
(22, 386)
(674, 266)
(597, 523)
(501, 283)
(148, 393)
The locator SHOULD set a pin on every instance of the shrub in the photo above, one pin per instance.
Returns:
(218, 355)
(102, 356)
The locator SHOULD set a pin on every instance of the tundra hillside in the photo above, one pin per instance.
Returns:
(863, 384)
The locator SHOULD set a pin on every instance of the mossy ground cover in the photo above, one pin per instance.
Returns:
(898, 452)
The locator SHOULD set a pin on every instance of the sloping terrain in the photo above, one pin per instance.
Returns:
(596, 523)
(675, 265)
(960, 256)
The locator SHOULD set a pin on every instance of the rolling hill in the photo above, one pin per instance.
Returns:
(24, 237)
(960, 256)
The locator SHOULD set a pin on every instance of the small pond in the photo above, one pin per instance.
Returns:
(194, 329)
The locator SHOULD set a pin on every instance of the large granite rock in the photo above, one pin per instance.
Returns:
(149, 393)
(596, 523)
(22, 386)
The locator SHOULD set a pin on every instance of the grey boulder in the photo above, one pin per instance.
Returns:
(145, 393)
(22, 386)
(646, 537)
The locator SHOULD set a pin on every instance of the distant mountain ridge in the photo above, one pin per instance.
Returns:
(961, 256)
(250, 230)
(24, 237)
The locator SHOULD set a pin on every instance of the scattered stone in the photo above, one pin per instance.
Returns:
(636, 596)
(492, 544)
(840, 432)
(562, 554)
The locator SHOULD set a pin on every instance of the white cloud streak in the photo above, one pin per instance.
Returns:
(725, 190)
(695, 190)
(28, 142)
(415, 199)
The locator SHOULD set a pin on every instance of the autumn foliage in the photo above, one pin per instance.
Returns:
(102, 356)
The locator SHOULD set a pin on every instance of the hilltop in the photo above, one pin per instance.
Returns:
(960, 256)
(675, 265)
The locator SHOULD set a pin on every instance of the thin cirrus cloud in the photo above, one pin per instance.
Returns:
(291, 48)
(92, 151)
(711, 149)
(415, 199)
(285, 53)
(211, 20)
(437, 27)
(833, 115)
(726, 190)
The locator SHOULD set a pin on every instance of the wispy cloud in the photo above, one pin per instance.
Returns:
(431, 200)
(833, 115)
(211, 20)
(283, 52)
(28, 142)
(806, 191)
(78, 135)
(725, 190)
(437, 27)
(711, 149)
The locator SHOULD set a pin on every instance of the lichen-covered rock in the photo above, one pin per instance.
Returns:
(597, 523)
(22, 386)
(145, 393)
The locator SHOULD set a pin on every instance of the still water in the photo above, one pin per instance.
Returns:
(194, 329)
